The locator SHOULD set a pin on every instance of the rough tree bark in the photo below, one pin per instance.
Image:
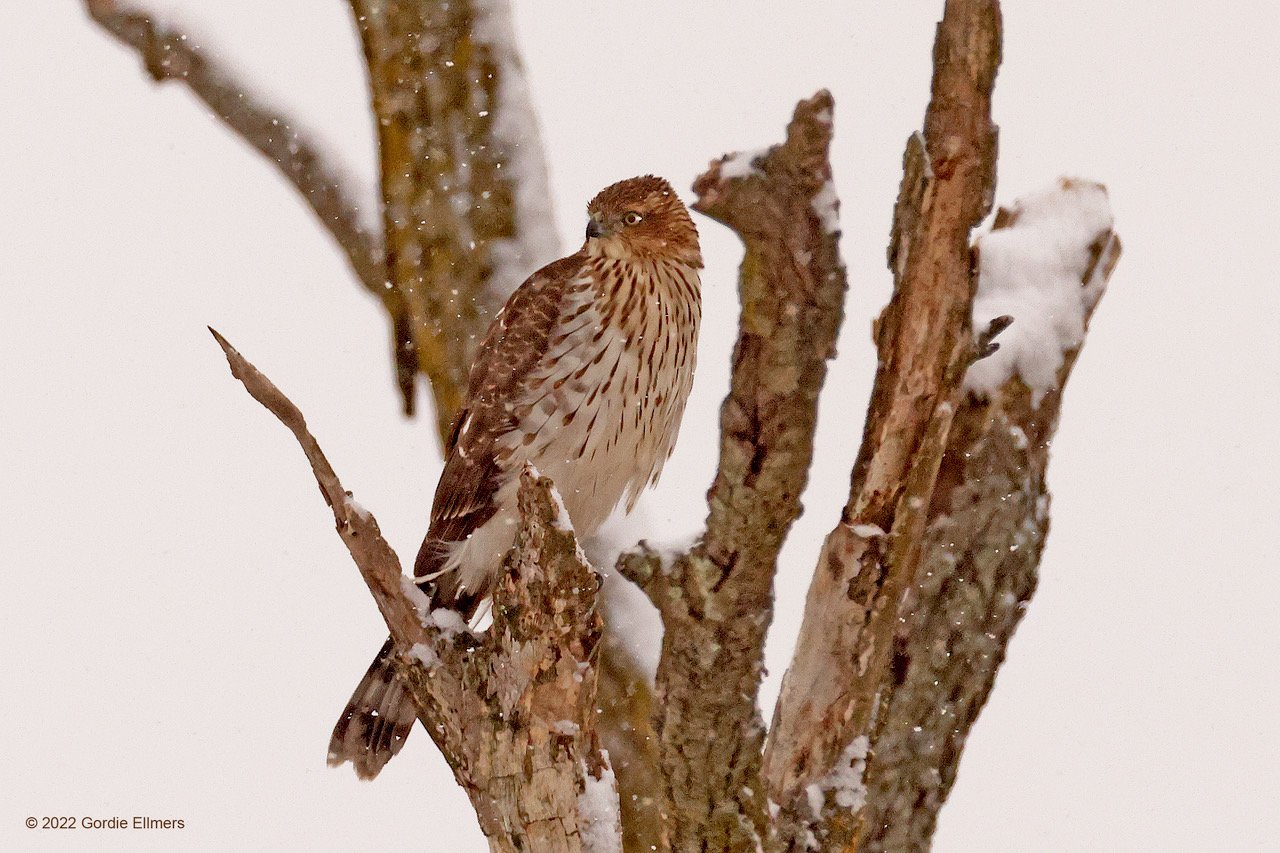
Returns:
(465, 200)
(987, 525)
(716, 601)
(918, 588)
(824, 715)
(511, 709)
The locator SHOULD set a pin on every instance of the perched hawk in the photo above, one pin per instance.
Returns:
(584, 373)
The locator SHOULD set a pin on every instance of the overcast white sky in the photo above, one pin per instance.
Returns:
(181, 626)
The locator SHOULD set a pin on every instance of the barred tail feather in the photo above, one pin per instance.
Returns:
(376, 721)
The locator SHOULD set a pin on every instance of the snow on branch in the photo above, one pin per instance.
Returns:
(512, 709)
(988, 519)
(1041, 267)
(168, 54)
(925, 342)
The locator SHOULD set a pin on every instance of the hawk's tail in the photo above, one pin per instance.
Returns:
(376, 721)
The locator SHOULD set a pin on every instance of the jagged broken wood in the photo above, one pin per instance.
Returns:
(512, 709)
(824, 717)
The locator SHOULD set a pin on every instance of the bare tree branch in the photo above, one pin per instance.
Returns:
(513, 711)
(924, 338)
(466, 207)
(171, 55)
(986, 532)
(378, 564)
(717, 600)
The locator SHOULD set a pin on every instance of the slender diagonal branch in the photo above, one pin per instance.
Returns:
(378, 564)
(824, 717)
(168, 54)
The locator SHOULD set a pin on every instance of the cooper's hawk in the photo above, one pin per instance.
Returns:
(584, 373)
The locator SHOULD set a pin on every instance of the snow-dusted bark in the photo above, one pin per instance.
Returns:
(1046, 264)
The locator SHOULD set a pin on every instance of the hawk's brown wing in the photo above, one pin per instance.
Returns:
(515, 344)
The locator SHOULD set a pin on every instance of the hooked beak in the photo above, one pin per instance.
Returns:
(593, 228)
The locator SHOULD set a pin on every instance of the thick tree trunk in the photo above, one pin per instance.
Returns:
(824, 718)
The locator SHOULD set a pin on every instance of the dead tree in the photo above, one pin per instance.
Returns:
(918, 588)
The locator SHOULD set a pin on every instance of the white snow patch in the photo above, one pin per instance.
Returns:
(515, 129)
(741, 164)
(630, 615)
(1033, 271)
(450, 622)
(417, 598)
(599, 821)
(844, 781)
(562, 522)
(566, 727)
(826, 204)
(868, 531)
(814, 793)
(353, 506)
(424, 655)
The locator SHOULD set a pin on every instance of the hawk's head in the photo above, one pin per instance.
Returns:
(642, 219)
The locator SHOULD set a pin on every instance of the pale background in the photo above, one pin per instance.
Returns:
(180, 625)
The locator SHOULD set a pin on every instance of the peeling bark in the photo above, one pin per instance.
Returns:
(925, 343)
(512, 710)
(986, 532)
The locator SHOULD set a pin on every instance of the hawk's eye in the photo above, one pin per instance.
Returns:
(631, 218)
